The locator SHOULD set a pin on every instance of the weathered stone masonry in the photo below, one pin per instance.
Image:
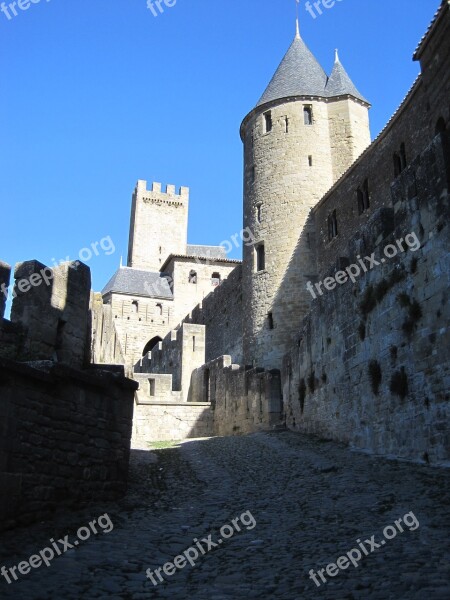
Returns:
(64, 438)
(65, 425)
(371, 367)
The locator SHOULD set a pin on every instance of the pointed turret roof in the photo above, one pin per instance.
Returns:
(299, 74)
(340, 84)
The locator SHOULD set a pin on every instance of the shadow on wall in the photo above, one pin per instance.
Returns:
(50, 316)
(223, 399)
(65, 425)
(370, 363)
(167, 421)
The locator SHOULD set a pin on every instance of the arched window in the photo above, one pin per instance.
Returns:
(135, 306)
(149, 346)
(192, 277)
(215, 279)
(159, 309)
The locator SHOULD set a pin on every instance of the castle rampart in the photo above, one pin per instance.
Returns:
(65, 423)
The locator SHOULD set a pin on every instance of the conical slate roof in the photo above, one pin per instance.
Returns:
(299, 74)
(340, 84)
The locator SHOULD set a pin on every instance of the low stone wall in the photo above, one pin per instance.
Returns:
(243, 399)
(64, 438)
(166, 421)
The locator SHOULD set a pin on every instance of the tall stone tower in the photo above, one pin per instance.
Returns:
(158, 225)
(305, 131)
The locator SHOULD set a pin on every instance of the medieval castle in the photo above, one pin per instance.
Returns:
(199, 331)
(221, 347)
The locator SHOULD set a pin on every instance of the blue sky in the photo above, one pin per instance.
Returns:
(95, 95)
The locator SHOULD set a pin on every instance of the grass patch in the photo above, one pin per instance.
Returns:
(375, 294)
(163, 445)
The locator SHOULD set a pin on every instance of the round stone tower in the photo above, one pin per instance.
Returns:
(290, 148)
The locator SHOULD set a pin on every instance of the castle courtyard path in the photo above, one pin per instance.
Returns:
(311, 501)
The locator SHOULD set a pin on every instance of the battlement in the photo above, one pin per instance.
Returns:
(50, 317)
(158, 226)
(156, 190)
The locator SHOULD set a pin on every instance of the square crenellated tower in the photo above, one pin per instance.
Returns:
(158, 226)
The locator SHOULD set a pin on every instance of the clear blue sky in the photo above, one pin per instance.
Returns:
(95, 95)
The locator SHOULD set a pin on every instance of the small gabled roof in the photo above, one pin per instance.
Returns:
(340, 84)
(135, 282)
(299, 74)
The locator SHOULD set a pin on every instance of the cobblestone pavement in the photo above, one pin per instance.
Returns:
(311, 500)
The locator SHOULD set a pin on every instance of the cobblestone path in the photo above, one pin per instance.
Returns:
(311, 501)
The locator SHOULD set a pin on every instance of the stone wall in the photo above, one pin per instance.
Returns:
(222, 315)
(370, 367)
(65, 425)
(177, 355)
(106, 347)
(64, 438)
(243, 400)
(133, 321)
(349, 133)
(129, 323)
(413, 125)
(52, 306)
(187, 294)
(170, 421)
